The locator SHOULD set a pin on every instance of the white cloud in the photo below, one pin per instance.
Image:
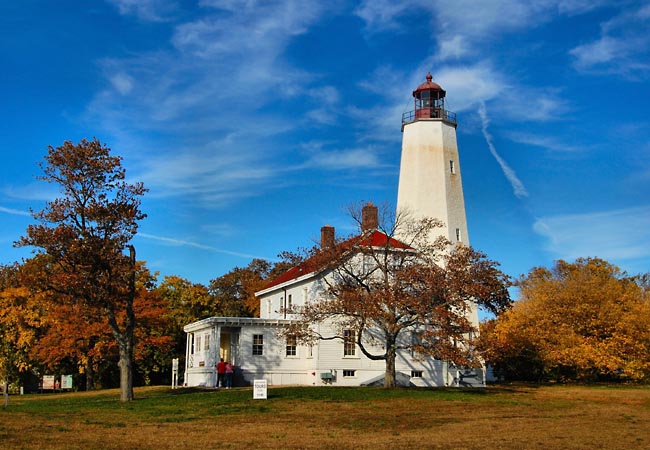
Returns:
(380, 15)
(452, 48)
(471, 85)
(345, 159)
(147, 10)
(623, 47)
(121, 82)
(622, 234)
(223, 69)
(545, 142)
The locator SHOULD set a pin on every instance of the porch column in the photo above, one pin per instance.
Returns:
(187, 356)
(214, 350)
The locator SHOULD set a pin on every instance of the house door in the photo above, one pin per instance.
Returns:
(229, 345)
(224, 350)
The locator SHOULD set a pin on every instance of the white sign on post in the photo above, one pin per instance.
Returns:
(259, 389)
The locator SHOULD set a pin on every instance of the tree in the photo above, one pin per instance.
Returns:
(154, 332)
(21, 323)
(86, 233)
(234, 292)
(401, 295)
(585, 320)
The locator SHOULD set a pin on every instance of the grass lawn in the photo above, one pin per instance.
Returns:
(517, 417)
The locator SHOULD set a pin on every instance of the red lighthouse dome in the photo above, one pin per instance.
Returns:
(429, 103)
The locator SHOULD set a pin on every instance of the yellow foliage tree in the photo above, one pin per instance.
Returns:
(585, 320)
(21, 321)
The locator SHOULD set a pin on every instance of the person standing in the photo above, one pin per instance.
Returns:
(221, 373)
(229, 371)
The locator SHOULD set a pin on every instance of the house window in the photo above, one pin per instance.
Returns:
(197, 344)
(349, 373)
(304, 296)
(369, 264)
(458, 236)
(310, 351)
(452, 166)
(258, 344)
(206, 342)
(416, 374)
(289, 302)
(291, 346)
(416, 340)
(349, 346)
(268, 307)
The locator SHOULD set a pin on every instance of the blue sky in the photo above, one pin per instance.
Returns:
(253, 124)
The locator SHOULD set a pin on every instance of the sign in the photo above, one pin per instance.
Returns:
(66, 381)
(48, 381)
(259, 389)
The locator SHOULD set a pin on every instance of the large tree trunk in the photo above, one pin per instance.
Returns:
(90, 374)
(125, 336)
(126, 372)
(389, 378)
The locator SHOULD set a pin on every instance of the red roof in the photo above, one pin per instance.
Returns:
(429, 86)
(372, 238)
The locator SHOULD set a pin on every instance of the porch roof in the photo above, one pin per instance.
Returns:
(234, 322)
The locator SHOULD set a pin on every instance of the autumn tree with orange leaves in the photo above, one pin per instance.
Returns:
(234, 291)
(585, 320)
(394, 295)
(21, 324)
(87, 234)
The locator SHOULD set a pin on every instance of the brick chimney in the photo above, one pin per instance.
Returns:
(327, 237)
(369, 217)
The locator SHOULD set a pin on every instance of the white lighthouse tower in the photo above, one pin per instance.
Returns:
(430, 184)
(429, 179)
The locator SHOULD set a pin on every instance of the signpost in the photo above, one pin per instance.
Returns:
(259, 389)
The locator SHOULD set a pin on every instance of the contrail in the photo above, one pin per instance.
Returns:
(15, 212)
(183, 243)
(517, 186)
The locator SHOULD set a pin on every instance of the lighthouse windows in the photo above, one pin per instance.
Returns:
(458, 236)
(452, 166)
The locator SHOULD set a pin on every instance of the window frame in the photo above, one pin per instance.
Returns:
(349, 343)
(258, 345)
(291, 347)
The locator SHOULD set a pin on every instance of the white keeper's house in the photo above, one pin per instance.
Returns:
(429, 186)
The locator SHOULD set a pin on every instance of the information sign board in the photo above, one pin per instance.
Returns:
(48, 381)
(259, 389)
(66, 381)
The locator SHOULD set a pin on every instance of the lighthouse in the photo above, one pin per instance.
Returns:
(430, 183)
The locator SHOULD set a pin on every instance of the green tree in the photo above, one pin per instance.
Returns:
(585, 320)
(87, 233)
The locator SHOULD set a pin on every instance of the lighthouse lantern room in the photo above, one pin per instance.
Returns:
(429, 103)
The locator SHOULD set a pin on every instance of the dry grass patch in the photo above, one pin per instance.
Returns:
(550, 417)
